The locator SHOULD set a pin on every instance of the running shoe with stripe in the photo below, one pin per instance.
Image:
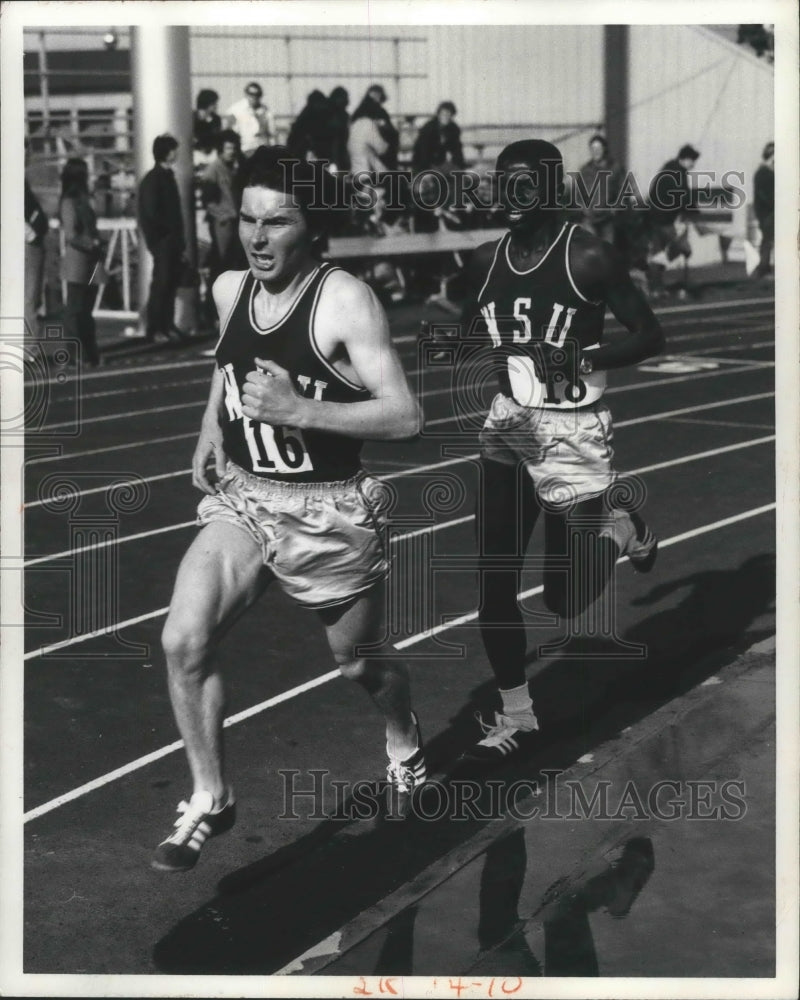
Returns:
(196, 822)
(508, 736)
(405, 776)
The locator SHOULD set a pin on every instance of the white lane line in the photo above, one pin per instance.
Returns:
(705, 422)
(113, 541)
(663, 415)
(179, 527)
(152, 387)
(625, 423)
(704, 454)
(744, 366)
(104, 489)
(83, 421)
(135, 765)
(141, 370)
(114, 447)
(411, 338)
(107, 630)
(666, 543)
(632, 387)
(248, 713)
(670, 463)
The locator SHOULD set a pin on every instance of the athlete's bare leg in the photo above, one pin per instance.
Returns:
(220, 576)
(361, 622)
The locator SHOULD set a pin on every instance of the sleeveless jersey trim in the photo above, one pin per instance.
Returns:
(578, 292)
(544, 257)
(500, 242)
(269, 329)
(313, 339)
(223, 328)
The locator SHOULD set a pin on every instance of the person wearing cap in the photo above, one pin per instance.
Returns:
(764, 207)
(670, 209)
(252, 120)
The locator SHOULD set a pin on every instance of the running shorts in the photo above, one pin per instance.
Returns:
(567, 453)
(324, 542)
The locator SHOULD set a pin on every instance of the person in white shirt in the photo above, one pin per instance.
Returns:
(252, 120)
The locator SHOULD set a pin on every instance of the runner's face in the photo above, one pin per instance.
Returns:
(274, 235)
(522, 189)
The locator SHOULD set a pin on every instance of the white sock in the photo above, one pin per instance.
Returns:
(398, 748)
(517, 703)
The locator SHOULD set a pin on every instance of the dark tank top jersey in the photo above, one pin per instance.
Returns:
(284, 453)
(522, 307)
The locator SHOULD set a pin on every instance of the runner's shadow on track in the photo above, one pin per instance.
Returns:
(267, 913)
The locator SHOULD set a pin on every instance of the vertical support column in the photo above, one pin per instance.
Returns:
(162, 102)
(44, 82)
(616, 37)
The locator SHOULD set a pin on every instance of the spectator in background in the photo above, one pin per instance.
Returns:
(367, 146)
(339, 129)
(161, 222)
(82, 249)
(601, 180)
(310, 134)
(221, 198)
(764, 207)
(252, 120)
(371, 108)
(671, 206)
(438, 143)
(207, 123)
(36, 226)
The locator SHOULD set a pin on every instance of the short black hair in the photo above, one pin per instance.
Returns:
(206, 98)
(544, 159)
(274, 167)
(228, 135)
(447, 106)
(163, 145)
(769, 150)
(599, 138)
(254, 85)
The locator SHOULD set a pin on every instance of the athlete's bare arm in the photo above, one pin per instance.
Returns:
(352, 332)
(209, 445)
(476, 271)
(600, 274)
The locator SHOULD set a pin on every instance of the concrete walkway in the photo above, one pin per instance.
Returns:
(670, 872)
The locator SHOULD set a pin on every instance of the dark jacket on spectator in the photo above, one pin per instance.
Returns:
(206, 131)
(764, 193)
(434, 143)
(159, 209)
(311, 133)
(608, 176)
(670, 193)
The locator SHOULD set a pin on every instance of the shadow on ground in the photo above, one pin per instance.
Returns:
(269, 912)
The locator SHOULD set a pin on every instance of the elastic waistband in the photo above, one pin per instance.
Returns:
(278, 487)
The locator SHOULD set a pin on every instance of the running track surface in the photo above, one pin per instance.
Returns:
(103, 768)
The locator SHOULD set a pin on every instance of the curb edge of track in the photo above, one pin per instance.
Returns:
(331, 949)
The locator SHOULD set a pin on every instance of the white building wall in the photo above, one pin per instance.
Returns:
(548, 76)
(689, 85)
